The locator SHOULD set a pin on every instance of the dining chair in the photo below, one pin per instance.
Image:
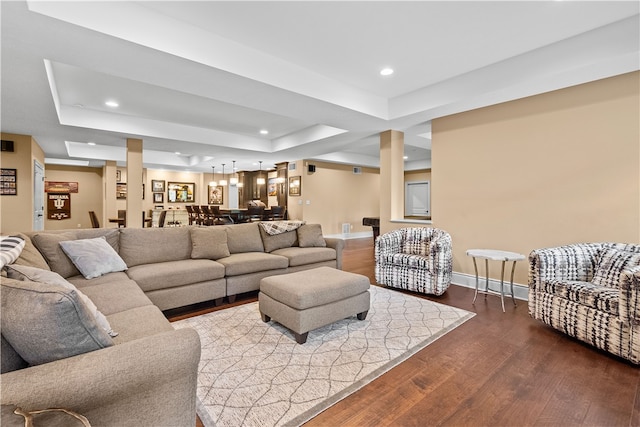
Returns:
(191, 214)
(219, 217)
(276, 213)
(94, 219)
(122, 214)
(255, 213)
(162, 218)
(208, 218)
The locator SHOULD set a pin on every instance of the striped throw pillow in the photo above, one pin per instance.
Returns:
(10, 249)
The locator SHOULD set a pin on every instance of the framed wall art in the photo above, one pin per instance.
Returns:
(216, 195)
(8, 182)
(181, 192)
(157, 185)
(158, 197)
(295, 186)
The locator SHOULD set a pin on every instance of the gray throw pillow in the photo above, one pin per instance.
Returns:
(34, 274)
(49, 246)
(310, 235)
(93, 257)
(48, 322)
(209, 243)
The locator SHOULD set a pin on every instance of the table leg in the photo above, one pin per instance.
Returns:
(513, 269)
(502, 286)
(475, 267)
(486, 282)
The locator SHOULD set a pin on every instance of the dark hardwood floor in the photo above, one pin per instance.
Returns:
(497, 369)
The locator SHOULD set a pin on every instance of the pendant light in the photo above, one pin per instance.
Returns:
(213, 182)
(222, 181)
(260, 180)
(234, 179)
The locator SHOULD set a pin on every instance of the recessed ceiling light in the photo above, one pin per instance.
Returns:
(386, 71)
(91, 143)
(112, 104)
(406, 157)
(264, 132)
(178, 153)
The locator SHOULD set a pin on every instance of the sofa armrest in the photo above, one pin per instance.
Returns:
(570, 262)
(629, 304)
(388, 244)
(338, 245)
(148, 381)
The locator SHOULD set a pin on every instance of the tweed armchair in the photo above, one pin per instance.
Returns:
(416, 259)
(590, 291)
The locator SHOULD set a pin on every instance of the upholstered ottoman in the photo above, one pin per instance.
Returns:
(310, 299)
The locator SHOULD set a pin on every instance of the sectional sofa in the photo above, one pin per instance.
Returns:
(146, 375)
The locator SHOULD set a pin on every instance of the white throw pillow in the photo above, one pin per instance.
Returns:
(93, 257)
(33, 274)
(10, 249)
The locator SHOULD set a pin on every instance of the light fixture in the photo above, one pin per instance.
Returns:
(222, 181)
(112, 104)
(264, 132)
(213, 182)
(386, 71)
(91, 143)
(260, 180)
(234, 179)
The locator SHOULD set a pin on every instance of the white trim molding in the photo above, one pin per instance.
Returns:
(469, 281)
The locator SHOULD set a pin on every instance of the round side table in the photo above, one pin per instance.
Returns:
(494, 255)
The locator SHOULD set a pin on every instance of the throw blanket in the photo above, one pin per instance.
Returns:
(273, 228)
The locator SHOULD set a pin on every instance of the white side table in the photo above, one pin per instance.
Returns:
(494, 255)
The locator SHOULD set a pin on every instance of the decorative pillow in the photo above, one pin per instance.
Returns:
(10, 249)
(30, 255)
(93, 257)
(49, 246)
(310, 235)
(47, 323)
(279, 241)
(209, 243)
(610, 266)
(244, 238)
(32, 274)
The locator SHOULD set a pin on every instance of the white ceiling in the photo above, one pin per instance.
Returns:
(203, 78)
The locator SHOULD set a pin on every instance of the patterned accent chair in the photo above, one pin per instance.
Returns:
(590, 291)
(417, 259)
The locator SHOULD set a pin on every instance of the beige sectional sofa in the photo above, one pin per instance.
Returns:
(147, 375)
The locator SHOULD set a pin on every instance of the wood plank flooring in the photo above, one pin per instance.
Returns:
(497, 369)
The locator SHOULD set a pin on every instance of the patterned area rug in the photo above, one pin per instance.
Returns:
(254, 373)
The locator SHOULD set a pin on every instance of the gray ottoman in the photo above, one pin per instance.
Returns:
(310, 299)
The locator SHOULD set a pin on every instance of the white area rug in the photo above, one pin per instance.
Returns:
(254, 373)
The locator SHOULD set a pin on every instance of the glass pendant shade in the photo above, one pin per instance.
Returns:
(222, 181)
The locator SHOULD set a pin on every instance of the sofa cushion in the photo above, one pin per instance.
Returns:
(278, 241)
(140, 246)
(209, 242)
(10, 249)
(251, 262)
(93, 257)
(49, 245)
(118, 296)
(310, 235)
(175, 273)
(80, 282)
(30, 255)
(610, 265)
(302, 256)
(244, 238)
(10, 359)
(138, 323)
(599, 297)
(33, 274)
(47, 323)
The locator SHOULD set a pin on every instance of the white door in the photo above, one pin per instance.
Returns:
(38, 196)
(416, 198)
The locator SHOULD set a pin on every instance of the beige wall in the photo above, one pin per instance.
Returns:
(552, 169)
(88, 198)
(17, 211)
(336, 195)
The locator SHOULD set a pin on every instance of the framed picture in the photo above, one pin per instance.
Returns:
(121, 190)
(216, 195)
(118, 175)
(158, 197)
(60, 187)
(271, 187)
(181, 192)
(8, 182)
(157, 185)
(295, 186)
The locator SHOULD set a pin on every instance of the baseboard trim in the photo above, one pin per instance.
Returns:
(359, 235)
(469, 281)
